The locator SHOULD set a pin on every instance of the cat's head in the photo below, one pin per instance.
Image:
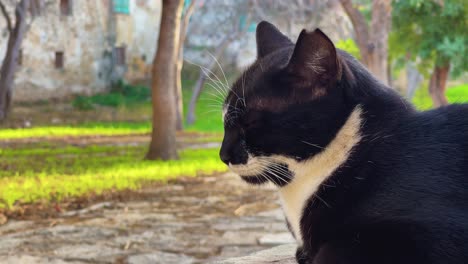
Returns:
(285, 108)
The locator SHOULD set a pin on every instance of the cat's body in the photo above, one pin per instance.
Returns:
(401, 197)
(362, 176)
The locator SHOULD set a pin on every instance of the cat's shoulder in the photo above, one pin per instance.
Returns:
(450, 115)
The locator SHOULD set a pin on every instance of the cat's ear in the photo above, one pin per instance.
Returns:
(269, 39)
(314, 61)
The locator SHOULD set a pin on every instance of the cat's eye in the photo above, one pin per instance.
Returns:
(251, 120)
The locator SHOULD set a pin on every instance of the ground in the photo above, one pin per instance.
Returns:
(188, 220)
(170, 218)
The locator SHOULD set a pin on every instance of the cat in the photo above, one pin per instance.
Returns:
(362, 176)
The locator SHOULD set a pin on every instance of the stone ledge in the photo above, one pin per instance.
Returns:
(284, 254)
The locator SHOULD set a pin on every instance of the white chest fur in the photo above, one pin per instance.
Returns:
(309, 174)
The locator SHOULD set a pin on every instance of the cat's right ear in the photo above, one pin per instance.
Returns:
(269, 39)
(314, 62)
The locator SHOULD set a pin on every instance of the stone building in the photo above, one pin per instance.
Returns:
(82, 46)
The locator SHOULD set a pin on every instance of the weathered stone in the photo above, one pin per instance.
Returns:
(89, 209)
(239, 224)
(236, 251)
(282, 254)
(24, 259)
(240, 238)
(276, 214)
(254, 208)
(276, 239)
(8, 244)
(13, 226)
(83, 38)
(88, 252)
(3, 219)
(160, 258)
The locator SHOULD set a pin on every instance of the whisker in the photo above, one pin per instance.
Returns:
(323, 201)
(212, 100)
(221, 68)
(215, 85)
(310, 144)
(208, 72)
(221, 97)
(210, 111)
(204, 69)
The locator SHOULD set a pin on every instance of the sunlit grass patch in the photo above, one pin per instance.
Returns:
(51, 174)
(91, 129)
(456, 94)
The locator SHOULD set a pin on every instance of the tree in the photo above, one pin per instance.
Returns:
(434, 34)
(372, 38)
(180, 62)
(10, 62)
(163, 136)
(305, 13)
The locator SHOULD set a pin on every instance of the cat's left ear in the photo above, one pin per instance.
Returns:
(314, 62)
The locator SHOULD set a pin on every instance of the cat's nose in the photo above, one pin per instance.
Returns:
(225, 156)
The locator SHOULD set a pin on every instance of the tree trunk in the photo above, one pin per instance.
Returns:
(180, 62)
(10, 62)
(372, 40)
(437, 85)
(163, 137)
(414, 78)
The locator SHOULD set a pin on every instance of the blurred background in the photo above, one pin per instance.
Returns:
(109, 108)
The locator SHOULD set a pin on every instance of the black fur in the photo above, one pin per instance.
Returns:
(402, 196)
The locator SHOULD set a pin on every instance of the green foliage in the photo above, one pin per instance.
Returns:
(349, 46)
(82, 103)
(457, 94)
(51, 173)
(120, 94)
(433, 31)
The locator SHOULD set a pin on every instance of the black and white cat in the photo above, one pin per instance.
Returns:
(363, 177)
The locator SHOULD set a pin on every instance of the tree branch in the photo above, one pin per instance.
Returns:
(185, 21)
(259, 11)
(359, 23)
(6, 16)
(188, 12)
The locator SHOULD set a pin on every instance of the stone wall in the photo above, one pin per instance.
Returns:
(87, 37)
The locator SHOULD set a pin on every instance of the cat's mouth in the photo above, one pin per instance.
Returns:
(256, 172)
(250, 174)
(257, 180)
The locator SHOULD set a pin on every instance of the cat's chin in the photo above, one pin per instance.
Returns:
(255, 180)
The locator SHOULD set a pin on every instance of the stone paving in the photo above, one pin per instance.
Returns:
(190, 220)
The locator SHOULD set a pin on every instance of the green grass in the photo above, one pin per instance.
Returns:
(91, 129)
(48, 172)
(456, 94)
(51, 173)
(208, 110)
